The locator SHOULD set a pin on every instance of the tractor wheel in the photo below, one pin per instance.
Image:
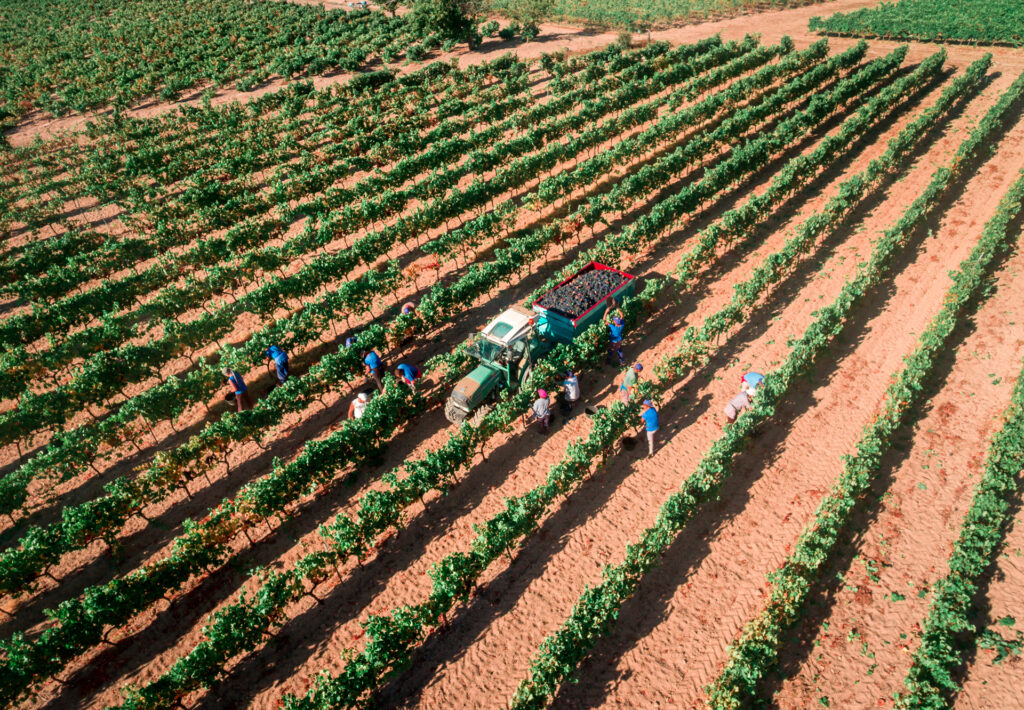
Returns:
(479, 413)
(453, 413)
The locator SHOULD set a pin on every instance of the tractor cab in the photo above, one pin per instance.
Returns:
(506, 349)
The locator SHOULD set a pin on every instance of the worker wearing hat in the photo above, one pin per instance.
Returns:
(629, 381)
(650, 416)
(542, 410)
(358, 405)
(615, 327)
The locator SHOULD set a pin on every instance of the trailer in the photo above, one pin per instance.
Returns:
(511, 343)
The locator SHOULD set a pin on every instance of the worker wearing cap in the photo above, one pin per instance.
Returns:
(408, 374)
(280, 360)
(571, 385)
(650, 416)
(239, 389)
(752, 380)
(615, 327)
(629, 381)
(542, 410)
(358, 405)
(374, 367)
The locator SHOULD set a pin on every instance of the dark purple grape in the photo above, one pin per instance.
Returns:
(576, 297)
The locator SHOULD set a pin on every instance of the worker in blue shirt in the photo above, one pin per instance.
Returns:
(408, 374)
(238, 389)
(650, 417)
(280, 360)
(615, 327)
(374, 367)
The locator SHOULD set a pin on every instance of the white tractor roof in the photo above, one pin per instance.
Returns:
(509, 325)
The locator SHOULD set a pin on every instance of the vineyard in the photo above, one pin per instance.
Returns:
(634, 15)
(971, 21)
(840, 216)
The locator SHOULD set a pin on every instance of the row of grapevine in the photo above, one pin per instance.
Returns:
(65, 58)
(973, 21)
(95, 382)
(231, 254)
(756, 649)
(947, 633)
(594, 612)
(70, 611)
(80, 307)
(224, 202)
(168, 146)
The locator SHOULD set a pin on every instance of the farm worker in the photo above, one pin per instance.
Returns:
(239, 389)
(650, 417)
(572, 389)
(615, 328)
(407, 308)
(542, 410)
(358, 405)
(738, 403)
(408, 374)
(374, 367)
(629, 382)
(280, 358)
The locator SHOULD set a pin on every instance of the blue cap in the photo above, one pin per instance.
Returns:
(349, 342)
(638, 367)
(617, 321)
(649, 403)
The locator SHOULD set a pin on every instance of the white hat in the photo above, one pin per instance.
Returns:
(362, 397)
(751, 391)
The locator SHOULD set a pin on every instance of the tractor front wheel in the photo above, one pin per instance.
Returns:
(454, 414)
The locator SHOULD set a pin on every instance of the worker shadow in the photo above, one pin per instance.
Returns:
(798, 645)
(641, 614)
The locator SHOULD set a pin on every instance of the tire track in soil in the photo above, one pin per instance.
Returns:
(517, 633)
(902, 543)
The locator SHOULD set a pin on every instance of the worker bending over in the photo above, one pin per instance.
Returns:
(280, 359)
(408, 374)
(238, 389)
(374, 367)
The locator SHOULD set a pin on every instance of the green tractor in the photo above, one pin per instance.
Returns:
(511, 343)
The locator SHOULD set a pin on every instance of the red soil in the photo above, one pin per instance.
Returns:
(670, 640)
